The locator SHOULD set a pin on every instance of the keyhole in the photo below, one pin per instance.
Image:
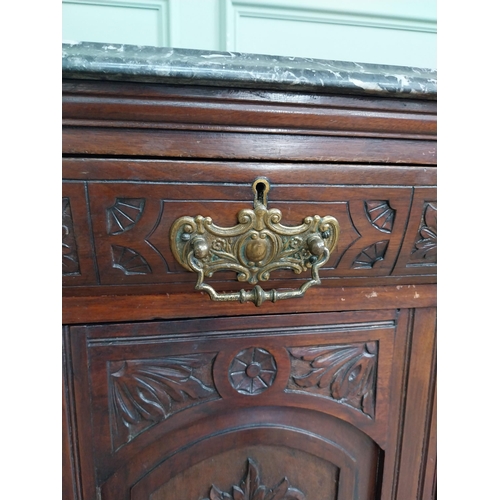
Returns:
(261, 188)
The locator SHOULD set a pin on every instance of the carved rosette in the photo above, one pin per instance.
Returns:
(251, 488)
(70, 263)
(145, 392)
(425, 248)
(345, 373)
(252, 371)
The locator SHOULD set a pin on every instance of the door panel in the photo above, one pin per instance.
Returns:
(310, 455)
(163, 397)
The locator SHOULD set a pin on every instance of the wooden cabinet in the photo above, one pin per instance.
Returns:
(170, 395)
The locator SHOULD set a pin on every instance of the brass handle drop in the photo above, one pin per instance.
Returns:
(254, 248)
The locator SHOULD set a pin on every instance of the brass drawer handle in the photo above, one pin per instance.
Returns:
(254, 248)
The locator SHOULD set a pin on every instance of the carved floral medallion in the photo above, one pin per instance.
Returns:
(252, 371)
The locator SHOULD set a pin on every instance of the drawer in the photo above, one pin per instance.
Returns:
(122, 212)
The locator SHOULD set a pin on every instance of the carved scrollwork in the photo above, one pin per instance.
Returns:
(346, 373)
(145, 392)
(251, 488)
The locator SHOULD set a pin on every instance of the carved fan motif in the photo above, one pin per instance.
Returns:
(381, 215)
(145, 392)
(129, 261)
(70, 264)
(251, 489)
(124, 214)
(348, 371)
(370, 255)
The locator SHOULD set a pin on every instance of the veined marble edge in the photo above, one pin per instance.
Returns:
(117, 62)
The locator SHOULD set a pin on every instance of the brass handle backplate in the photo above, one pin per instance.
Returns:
(254, 248)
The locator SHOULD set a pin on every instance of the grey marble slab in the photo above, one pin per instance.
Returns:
(198, 67)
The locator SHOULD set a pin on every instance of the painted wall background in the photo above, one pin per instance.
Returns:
(400, 32)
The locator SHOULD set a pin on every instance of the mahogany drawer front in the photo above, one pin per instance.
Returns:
(154, 390)
(119, 227)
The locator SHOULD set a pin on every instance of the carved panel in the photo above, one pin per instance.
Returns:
(145, 392)
(278, 466)
(138, 217)
(418, 255)
(252, 371)
(251, 488)
(78, 255)
(147, 383)
(345, 373)
(425, 247)
(70, 262)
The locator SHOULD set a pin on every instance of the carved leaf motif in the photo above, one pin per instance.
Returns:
(145, 392)
(251, 489)
(370, 255)
(124, 214)
(70, 263)
(129, 261)
(381, 215)
(348, 371)
(426, 244)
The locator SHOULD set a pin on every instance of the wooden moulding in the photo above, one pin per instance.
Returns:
(160, 106)
(301, 174)
(157, 120)
(99, 309)
(211, 145)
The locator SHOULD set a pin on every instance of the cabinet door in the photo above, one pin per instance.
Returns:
(297, 405)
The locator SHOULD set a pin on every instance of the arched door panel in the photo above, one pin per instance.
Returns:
(296, 455)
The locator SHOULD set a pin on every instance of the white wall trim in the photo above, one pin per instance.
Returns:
(327, 12)
(162, 6)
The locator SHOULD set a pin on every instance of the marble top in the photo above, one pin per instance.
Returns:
(117, 62)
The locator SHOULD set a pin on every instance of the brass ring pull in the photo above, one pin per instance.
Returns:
(254, 248)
